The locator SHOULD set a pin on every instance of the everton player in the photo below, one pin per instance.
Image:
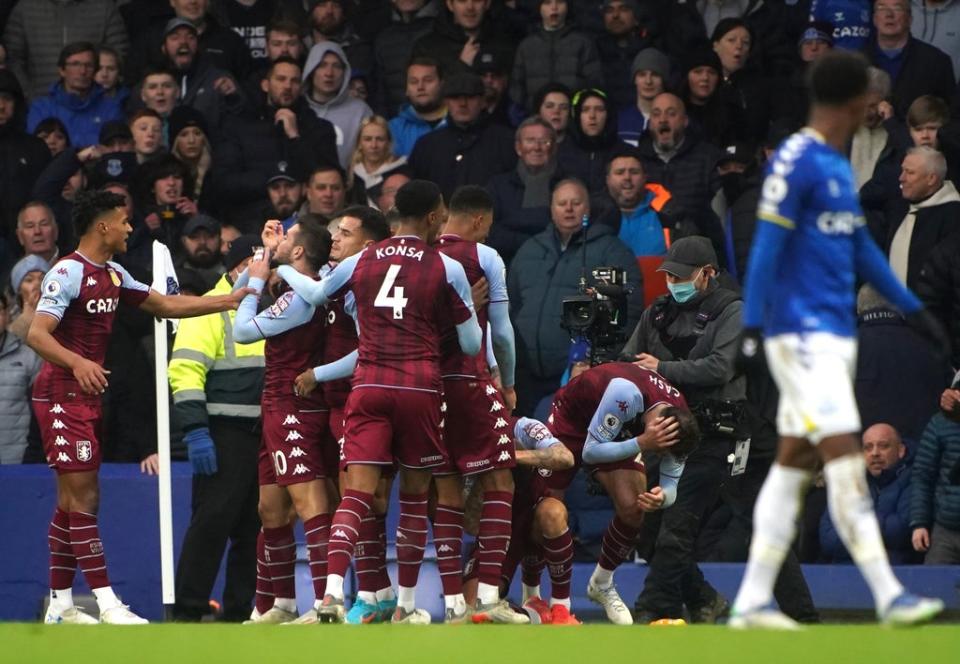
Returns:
(294, 427)
(79, 299)
(477, 433)
(403, 290)
(598, 415)
(811, 245)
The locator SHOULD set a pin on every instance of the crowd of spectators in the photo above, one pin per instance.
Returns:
(605, 130)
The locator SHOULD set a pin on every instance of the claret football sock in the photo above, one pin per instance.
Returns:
(88, 549)
(344, 532)
(63, 564)
(774, 526)
(411, 540)
(447, 540)
(281, 558)
(317, 533)
(617, 544)
(559, 554)
(496, 516)
(848, 499)
(263, 599)
(384, 585)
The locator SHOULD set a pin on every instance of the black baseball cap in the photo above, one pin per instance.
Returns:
(465, 84)
(738, 152)
(491, 61)
(178, 22)
(198, 221)
(285, 170)
(687, 255)
(240, 249)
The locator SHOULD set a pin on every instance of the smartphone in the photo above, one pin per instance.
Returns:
(258, 253)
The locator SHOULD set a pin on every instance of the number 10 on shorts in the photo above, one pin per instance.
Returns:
(395, 301)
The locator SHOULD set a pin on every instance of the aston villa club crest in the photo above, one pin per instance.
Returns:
(84, 450)
(114, 277)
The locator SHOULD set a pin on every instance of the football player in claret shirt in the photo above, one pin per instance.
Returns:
(404, 291)
(79, 299)
(608, 416)
(477, 434)
(811, 246)
(294, 427)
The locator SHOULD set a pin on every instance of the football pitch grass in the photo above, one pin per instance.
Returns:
(492, 644)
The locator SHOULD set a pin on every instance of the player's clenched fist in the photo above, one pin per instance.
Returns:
(305, 383)
(651, 500)
(91, 376)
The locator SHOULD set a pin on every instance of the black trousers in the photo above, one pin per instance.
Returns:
(673, 574)
(224, 507)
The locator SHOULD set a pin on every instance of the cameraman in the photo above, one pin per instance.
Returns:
(690, 337)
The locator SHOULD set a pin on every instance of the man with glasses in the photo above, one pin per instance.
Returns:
(915, 67)
(75, 99)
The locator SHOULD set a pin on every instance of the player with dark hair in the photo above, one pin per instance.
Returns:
(607, 416)
(476, 428)
(294, 427)
(811, 245)
(403, 290)
(357, 228)
(78, 301)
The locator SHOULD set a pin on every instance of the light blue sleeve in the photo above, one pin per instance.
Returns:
(491, 358)
(289, 311)
(621, 402)
(126, 279)
(318, 293)
(61, 285)
(532, 434)
(495, 272)
(502, 340)
(671, 469)
(342, 368)
(241, 281)
(873, 266)
(468, 332)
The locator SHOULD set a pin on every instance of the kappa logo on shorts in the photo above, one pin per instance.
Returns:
(57, 409)
(504, 440)
(491, 390)
(500, 423)
(297, 452)
(294, 435)
(339, 534)
(495, 406)
(291, 419)
(57, 424)
(445, 548)
(84, 450)
(504, 456)
(300, 469)
(63, 457)
(61, 441)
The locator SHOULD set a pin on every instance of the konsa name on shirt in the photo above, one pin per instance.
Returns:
(400, 250)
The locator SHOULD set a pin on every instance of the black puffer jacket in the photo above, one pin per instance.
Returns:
(253, 144)
(453, 156)
(938, 286)
(391, 53)
(559, 56)
(22, 157)
(446, 40)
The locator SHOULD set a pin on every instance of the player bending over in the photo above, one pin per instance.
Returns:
(811, 245)
(78, 301)
(607, 416)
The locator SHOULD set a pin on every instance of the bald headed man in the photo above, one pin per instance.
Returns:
(882, 448)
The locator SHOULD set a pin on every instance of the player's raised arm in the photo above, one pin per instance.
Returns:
(319, 293)
(289, 311)
(537, 447)
(469, 333)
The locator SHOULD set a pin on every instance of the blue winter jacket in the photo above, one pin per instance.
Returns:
(407, 127)
(935, 499)
(891, 503)
(83, 117)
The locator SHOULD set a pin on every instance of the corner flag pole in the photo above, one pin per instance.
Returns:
(162, 274)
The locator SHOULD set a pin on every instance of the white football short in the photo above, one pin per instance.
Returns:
(814, 372)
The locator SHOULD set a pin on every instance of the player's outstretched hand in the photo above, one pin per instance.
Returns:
(927, 326)
(305, 383)
(259, 268)
(652, 500)
(91, 376)
(200, 451)
(749, 350)
(236, 297)
(659, 434)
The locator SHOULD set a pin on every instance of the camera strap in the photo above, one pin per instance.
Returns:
(665, 311)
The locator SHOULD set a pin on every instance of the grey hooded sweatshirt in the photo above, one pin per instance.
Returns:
(343, 111)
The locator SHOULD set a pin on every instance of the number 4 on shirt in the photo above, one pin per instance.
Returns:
(396, 301)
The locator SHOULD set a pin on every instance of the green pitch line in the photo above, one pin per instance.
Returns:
(589, 644)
